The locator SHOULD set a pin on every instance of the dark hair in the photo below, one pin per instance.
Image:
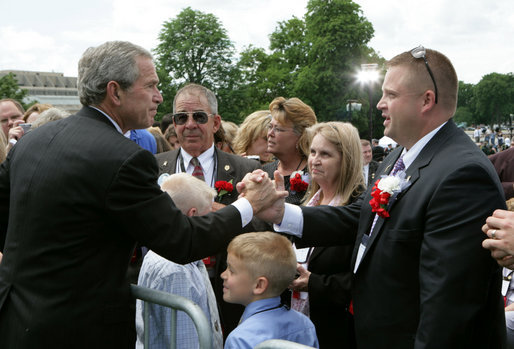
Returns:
(166, 120)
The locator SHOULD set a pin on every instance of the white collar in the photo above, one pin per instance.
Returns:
(205, 158)
(410, 155)
(111, 120)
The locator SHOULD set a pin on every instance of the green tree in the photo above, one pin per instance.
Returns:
(314, 59)
(267, 76)
(9, 88)
(336, 34)
(193, 47)
(494, 97)
(466, 105)
(260, 75)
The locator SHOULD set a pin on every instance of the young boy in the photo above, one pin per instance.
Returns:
(194, 198)
(260, 266)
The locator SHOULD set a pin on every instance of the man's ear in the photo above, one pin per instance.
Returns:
(261, 285)
(113, 92)
(217, 123)
(428, 100)
(191, 212)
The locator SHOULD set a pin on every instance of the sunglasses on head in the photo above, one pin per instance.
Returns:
(420, 52)
(200, 117)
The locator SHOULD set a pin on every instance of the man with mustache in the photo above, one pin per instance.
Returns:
(196, 120)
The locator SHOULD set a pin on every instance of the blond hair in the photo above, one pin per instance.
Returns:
(36, 108)
(345, 137)
(266, 254)
(188, 192)
(230, 130)
(299, 114)
(254, 126)
(3, 145)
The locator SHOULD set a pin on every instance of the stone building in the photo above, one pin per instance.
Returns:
(46, 87)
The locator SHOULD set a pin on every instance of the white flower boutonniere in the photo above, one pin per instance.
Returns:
(384, 189)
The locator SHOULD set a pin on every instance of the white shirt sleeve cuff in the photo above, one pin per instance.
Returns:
(245, 209)
(292, 222)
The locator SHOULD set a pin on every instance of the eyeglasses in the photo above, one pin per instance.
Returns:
(278, 129)
(200, 117)
(420, 52)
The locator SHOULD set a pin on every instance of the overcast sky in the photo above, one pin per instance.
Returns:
(51, 35)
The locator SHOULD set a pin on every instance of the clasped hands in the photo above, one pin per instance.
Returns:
(267, 197)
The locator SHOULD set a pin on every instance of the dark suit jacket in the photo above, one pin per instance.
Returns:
(425, 281)
(75, 196)
(378, 153)
(230, 167)
(372, 178)
(503, 162)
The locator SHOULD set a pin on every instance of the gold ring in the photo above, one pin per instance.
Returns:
(493, 234)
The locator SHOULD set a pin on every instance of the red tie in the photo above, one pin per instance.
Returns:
(197, 171)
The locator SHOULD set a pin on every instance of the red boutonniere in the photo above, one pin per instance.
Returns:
(383, 190)
(298, 182)
(223, 187)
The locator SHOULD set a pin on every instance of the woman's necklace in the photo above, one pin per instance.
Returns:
(297, 167)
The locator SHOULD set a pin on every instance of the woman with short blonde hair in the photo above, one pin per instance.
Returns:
(289, 143)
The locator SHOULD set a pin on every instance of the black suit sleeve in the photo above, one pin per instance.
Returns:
(330, 225)
(456, 275)
(137, 204)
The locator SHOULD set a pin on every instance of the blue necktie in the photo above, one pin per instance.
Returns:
(399, 166)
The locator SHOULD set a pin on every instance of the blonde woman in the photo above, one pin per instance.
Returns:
(252, 137)
(322, 290)
(289, 143)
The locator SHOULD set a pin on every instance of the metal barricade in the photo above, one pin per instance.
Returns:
(281, 344)
(174, 302)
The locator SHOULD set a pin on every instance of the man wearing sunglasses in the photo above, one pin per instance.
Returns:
(421, 278)
(196, 120)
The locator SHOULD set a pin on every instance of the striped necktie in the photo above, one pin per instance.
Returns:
(197, 171)
(399, 166)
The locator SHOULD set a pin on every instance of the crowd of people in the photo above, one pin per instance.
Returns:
(282, 227)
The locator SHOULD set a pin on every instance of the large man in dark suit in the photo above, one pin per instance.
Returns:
(421, 277)
(75, 196)
(196, 139)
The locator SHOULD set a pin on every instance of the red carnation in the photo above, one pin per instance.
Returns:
(297, 183)
(379, 201)
(223, 187)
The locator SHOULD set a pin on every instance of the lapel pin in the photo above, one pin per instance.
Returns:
(164, 163)
(227, 167)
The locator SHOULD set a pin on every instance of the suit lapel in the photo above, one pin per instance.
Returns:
(371, 216)
(413, 174)
(168, 164)
(316, 251)
(226, 172)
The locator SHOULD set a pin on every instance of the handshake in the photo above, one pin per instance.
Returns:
(267, 197)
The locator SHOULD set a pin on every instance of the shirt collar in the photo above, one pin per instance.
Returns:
(205, 158)
(260, 305)
(111, 120)
(410, 155)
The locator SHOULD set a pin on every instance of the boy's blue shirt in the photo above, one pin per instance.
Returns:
(266, 319)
